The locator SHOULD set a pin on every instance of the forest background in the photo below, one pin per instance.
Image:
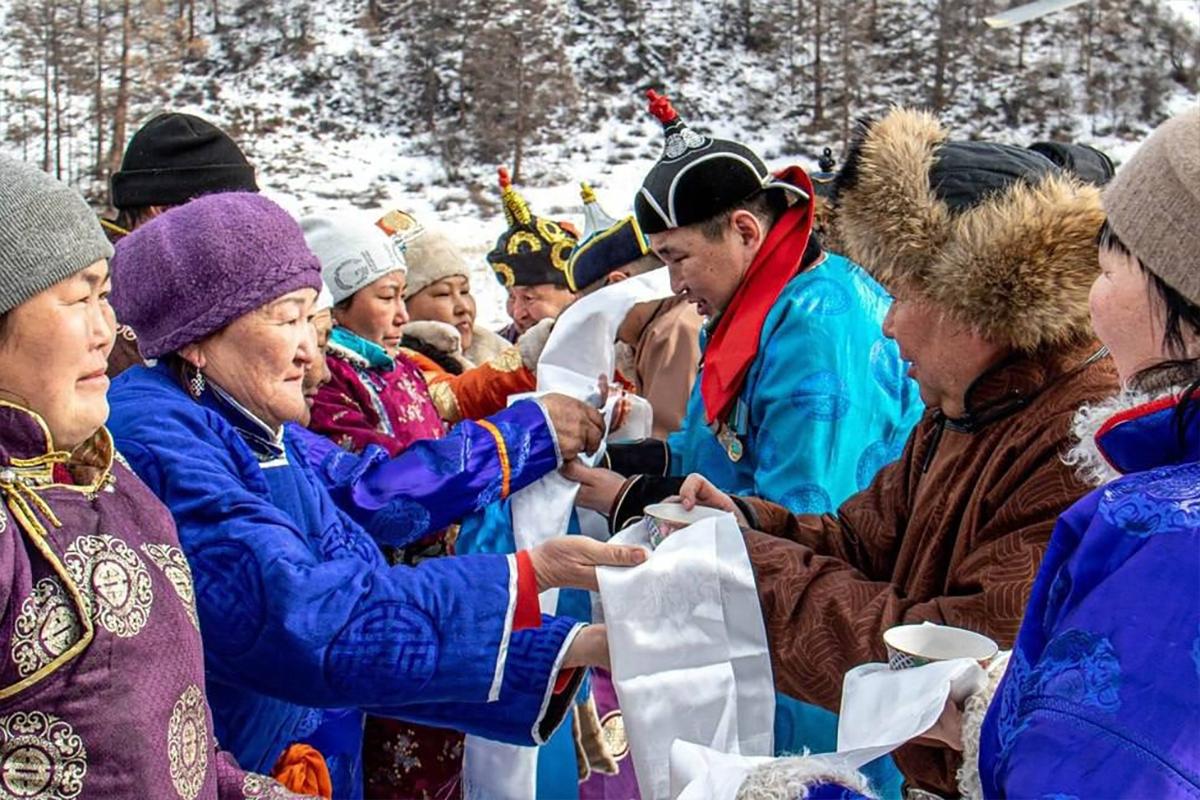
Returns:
(414, 103)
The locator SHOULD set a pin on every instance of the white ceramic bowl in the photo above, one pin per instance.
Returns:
(917, 645)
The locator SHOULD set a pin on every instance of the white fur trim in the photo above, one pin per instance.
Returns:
(792, 777)
(970, 787)
(485, 345)
(1090, 465)
(442, 336)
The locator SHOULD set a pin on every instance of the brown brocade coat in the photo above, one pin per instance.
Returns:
(952, 533)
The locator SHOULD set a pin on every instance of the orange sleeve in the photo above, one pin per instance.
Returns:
(478, 392)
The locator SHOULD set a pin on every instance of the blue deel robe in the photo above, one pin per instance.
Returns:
(305, 626)
(1102, 693)
(434, 482)
(825, 403)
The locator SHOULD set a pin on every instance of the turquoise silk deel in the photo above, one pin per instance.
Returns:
(825, 404)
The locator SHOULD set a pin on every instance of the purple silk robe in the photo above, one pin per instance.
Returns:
(101, 666)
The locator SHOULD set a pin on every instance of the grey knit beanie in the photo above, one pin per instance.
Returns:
(1153, 204)
(432, 257)
(47, 233)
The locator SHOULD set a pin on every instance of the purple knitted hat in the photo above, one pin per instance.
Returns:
(198, 267)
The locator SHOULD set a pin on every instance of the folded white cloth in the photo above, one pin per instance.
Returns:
(881, 710)
(689, 649)
(579, 350)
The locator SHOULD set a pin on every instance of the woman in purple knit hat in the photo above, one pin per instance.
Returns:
(305, 624)
(102, 690)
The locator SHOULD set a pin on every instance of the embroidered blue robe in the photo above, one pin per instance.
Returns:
(1102, 693)
(304, 623)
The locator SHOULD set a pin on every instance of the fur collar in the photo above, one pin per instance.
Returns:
(1085, 455)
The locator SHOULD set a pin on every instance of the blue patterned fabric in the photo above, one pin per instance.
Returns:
(303, 621)
(435, 482)
(825, 404)
(1102, 695)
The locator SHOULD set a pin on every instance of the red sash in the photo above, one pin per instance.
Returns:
(734, 343)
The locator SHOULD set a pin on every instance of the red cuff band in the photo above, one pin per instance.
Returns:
(528, 613)
(563, 680)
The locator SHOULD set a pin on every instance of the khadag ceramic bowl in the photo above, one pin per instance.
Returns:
(663, 519)
(917, 645)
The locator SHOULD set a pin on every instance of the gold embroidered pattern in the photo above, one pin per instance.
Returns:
(560, 255)
(505, 272)
(508, 360)
(523, 241)
(40, 756)
(175, 567)
(187, 743)
(445, 401)
(550, 230)
(613, 729)
(45, 628)
(114, 583)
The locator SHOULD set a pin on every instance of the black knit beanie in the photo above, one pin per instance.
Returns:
(176, 157)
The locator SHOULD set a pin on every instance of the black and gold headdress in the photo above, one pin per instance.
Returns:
(534, 250)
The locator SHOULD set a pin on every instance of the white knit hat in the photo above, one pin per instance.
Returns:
(353, 251)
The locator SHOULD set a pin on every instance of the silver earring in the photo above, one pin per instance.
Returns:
(196, 384)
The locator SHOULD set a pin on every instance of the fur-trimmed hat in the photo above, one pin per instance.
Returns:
(534, 250)
(996, 235)
(697, 177)
(607, 244)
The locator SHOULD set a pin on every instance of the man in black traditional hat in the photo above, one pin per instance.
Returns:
(530, 261)
(801, 398)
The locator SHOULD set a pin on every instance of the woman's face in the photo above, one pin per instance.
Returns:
(54, 353)
(448, 300)
(1127, 314)
(376, 312)
(260, 358)
(316, 374)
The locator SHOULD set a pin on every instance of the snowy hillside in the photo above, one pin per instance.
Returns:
(412, 104)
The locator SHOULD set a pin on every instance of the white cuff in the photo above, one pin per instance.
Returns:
(502, 651)
(558, 662)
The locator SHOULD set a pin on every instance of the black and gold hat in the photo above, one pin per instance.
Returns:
(697, 177)
(607, 243)
(533, 250)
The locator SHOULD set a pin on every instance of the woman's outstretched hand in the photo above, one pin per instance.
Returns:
(571, 561)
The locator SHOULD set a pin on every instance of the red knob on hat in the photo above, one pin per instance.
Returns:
(660, 107)
(505, 180)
